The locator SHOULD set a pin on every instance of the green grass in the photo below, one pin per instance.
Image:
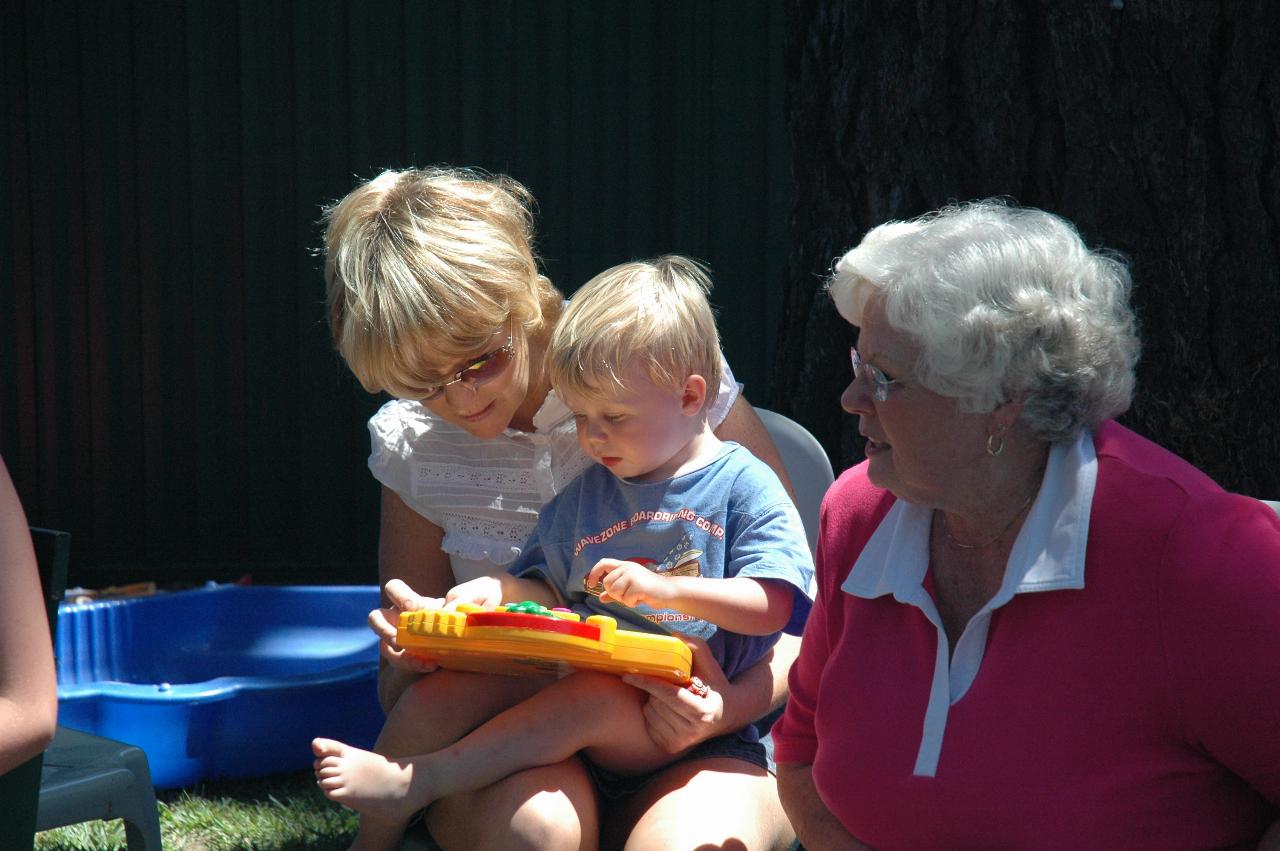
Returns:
(284, 812)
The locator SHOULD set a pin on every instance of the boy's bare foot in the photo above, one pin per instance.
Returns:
(366, 782)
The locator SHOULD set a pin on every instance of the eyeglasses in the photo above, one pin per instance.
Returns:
(480, 371)
(881, 384)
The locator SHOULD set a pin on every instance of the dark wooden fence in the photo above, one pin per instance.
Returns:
(167, 389)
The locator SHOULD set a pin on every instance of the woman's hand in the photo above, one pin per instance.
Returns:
(676, 717)
(385, 621)
(483, 591)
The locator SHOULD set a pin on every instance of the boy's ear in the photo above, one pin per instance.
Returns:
(693, 395)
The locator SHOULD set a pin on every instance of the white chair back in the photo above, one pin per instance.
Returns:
(807, 465)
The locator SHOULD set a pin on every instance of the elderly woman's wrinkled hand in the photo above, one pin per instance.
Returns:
(679, 716)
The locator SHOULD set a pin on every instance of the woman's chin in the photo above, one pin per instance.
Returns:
(880, 470)
(486, 431)
(487, 423)
(485, 434)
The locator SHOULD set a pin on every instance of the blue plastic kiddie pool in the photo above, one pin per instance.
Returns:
(222, 681)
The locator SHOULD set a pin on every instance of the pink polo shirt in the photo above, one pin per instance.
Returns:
(1132, 702)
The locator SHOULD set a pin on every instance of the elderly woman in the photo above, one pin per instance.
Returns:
(1034, 628)
(434, 296)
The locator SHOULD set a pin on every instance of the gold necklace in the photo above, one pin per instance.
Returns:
(951, 539)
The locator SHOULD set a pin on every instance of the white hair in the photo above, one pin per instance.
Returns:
(1005, 302)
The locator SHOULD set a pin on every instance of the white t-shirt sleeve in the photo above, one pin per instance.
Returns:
(730, 389)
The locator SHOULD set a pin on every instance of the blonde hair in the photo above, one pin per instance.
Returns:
(429, 262)
(649, 313)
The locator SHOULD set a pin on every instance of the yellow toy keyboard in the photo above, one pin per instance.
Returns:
(522, 639)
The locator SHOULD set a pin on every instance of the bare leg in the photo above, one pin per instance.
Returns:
(444, 706)
(658, 817)
(545, 729)
(433, 712)
(382, 799)
(549, 808)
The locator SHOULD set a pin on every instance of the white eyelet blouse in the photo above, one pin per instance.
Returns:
(485, 494)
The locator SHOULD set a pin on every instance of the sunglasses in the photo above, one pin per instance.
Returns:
(479, 371)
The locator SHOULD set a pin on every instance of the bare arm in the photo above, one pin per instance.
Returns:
(742, 425)
(676, 718)
(774, 670)
(28, 683)
(409, 550)
(763, 686)
(758, 690)
(815, 826)
(739, 604)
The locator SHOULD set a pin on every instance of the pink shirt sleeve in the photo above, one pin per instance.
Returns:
(794, 739)
(1220, 624)
(850, 513)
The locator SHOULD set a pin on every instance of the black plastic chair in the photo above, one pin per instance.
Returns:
(81, 776)
(20, 790)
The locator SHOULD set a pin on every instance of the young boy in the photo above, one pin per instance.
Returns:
(671, 530)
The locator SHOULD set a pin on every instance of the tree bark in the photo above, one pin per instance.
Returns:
(1154, 126)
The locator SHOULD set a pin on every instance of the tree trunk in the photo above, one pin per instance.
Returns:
(1154, 126)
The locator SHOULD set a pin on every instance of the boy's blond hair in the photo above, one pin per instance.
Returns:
(651, 313)
(429, 264)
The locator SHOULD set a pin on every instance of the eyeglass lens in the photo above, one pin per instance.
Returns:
(877, 379)
(480, 371)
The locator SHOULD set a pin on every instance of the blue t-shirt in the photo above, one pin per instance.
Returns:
(729, 518)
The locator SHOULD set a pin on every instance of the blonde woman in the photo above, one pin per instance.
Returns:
(434, 296)
(701, 539)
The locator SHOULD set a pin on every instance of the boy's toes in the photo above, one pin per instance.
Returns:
(326, 747)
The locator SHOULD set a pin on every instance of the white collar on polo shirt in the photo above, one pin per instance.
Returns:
(1048, 555)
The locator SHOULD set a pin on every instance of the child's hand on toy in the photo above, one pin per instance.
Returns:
(628, 583)
(485, 591)
(677, 717)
